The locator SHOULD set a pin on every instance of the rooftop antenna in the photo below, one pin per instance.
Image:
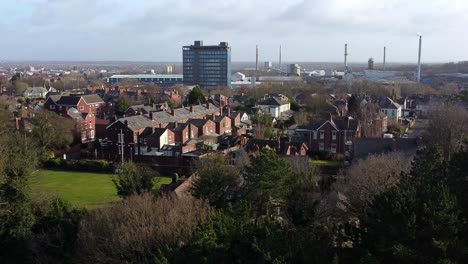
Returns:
(345, 58)
(256, 58)
(418, 76)
(280, 58)
(384, 53)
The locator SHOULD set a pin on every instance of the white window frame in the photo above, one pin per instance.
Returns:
(322, 134)
(321, 146)
(315, 134)
(52, 107)
(81, 108)
(333, 148)
(91, 133)
(334, 135)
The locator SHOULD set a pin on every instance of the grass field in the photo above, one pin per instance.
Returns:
(81, 189)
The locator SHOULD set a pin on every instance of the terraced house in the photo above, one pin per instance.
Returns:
(181, 126)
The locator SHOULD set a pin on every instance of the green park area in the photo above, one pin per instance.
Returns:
(81, 189)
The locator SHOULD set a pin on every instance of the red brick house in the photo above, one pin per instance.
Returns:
(223, 124)
(85, 124)
(184, 132)
(60, 104)
(334, 135)
(204, 126)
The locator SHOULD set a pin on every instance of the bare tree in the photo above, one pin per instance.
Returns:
(368, 177)
(135, 229)
(448, 127)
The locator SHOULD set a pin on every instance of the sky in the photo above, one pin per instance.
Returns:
(307, 30)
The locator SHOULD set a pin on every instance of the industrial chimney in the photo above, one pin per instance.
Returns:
(256, 58)
(384, 54)
(345, 58)
(418, 76)
(279, 67)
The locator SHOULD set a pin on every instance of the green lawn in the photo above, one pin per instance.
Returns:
(81, 189)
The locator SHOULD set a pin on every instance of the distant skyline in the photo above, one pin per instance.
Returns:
(312, 31)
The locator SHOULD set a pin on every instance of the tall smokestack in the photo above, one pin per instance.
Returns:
(279, 58)
(384, 53)
(345, 58)
(256, 58)
(418, 77)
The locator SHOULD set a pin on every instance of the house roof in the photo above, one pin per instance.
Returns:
(180, 127)
(365, 146)
(163, 117)
(198, 122)
(68, 100)
(92, 98)
(340, 123)
(388, 103)
(274, 101)
(36, 90)
(158, 132)
(136, 122)
(75, 114)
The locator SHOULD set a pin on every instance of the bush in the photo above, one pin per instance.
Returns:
(140, 229)
(101, 166)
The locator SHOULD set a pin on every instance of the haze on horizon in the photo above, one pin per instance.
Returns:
(308, 30)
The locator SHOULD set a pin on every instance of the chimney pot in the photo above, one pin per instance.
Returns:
(229, 111)
(208, 105)
(173, 112)
(220, 110)
(191, 108)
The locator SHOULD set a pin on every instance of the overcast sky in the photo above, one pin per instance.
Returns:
(308, 30)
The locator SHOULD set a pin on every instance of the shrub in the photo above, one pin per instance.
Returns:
(102, 166)
(140, 229)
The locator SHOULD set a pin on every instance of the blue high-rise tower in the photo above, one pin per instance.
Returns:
(207, 66)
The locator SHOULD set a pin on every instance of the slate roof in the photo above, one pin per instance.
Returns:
(180, 127)
(163, 117)
(75, 114)
(338, 123)
(198, 122)
(68, 100)
(92, 98)
(158, 132)
(365, 146)
(274, 101)
(136, 122)
(388, 103)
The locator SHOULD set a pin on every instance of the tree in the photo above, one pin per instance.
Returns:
(55, 232)
(215, 179)
(52, 131)
(140, 229)
(123, 103)
(20, 87)
(196, 96)
(448, 128)
(265, 180)
(369, 177)
(353, 104)
(303, 193)
(18, 161)
(132, 179)
(231, 237)
(417, 221)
